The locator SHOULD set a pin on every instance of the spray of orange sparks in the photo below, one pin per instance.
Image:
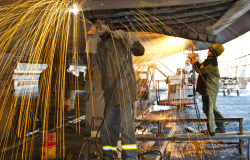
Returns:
(40, 31)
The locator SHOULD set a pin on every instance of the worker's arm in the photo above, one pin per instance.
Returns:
(207, 69)
(201, 69)
(196, 66)
(194, 62)
(135, 46)
(93, 36)
(91, 44)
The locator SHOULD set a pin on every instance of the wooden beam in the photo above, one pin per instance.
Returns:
(165, 144)
(121, 4)
(237, 10)
(165, 66)
(160, 145)
(191, 129)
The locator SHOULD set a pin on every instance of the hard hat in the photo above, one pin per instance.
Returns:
(217, 49)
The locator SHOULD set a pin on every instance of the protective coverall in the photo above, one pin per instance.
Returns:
(120, 92)
(208, 87)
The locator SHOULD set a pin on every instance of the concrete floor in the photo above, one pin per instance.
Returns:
(232, 106)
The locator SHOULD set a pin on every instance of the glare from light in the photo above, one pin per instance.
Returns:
(75, 10)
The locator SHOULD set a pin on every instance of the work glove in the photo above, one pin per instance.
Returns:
(120, 34)
(136, 47)
(91, 45)
(193, 58)
(103, 27)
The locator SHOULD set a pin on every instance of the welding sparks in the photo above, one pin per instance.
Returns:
(75, 9)
(48, 33)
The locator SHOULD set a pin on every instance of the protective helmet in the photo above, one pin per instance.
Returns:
(217, 49)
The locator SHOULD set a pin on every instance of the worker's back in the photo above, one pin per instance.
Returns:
(208, 81)
(116, 66)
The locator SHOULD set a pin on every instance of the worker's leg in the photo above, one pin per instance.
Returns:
(211, 121)
(205, 107)
(129, 142)
(205, 104)
(220, 125)
(208, 110)
(217, 113)
(110, 132)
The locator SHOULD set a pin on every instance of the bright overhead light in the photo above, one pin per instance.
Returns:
(75, 10)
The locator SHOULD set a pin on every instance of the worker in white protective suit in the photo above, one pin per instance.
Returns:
(113, 54)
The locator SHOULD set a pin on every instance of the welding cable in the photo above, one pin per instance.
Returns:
(109, 98)
(157, 152)
(195, 104)
(119, 150)
(194, 92)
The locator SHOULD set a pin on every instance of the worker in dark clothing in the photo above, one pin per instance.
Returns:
(114, 58)
(208, 87)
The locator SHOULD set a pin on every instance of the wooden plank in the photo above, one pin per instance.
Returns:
(165, 66)
(161, 146)
(145, 136)
(190, 129)
(237, 10)
(165, 144)
(121, 4)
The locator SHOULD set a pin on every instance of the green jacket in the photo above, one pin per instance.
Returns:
(209, 76)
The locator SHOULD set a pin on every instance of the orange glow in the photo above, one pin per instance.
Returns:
(161, 47)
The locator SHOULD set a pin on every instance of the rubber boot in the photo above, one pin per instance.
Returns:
(206, 132)
(220, 125)
(220, 128)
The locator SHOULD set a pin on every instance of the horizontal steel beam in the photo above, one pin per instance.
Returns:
(163, 16)
(143, 22)
(121, 4)
(172, 11)
(198, 137)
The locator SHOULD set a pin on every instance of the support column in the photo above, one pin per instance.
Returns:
(94, 96)
(7, 66)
